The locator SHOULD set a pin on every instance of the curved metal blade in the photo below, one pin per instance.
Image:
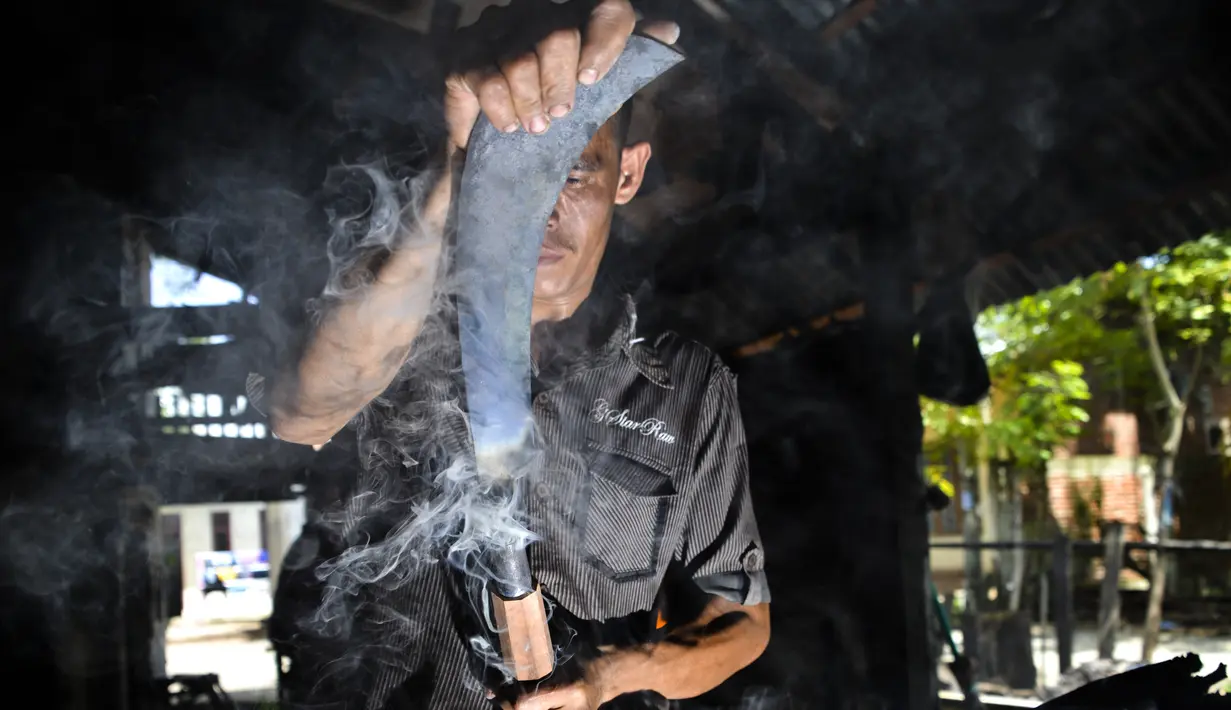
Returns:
(508, 189)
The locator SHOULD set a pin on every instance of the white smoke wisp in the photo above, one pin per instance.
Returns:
(420, 500)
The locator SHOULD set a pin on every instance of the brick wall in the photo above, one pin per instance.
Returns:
(1118, 478)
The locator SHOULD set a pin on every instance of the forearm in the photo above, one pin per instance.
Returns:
(363, 338)
(693, 659)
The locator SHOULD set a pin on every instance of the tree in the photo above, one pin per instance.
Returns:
(1028, 415)
(1154, 327)
(1180, 305)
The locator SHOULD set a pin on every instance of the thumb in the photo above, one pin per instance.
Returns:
(664, 31)
(461, 110)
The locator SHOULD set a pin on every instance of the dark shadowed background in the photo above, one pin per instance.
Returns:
(821, 168)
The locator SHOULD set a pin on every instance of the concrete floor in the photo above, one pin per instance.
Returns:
(1212, 649)
(237, 652)
(244, 661)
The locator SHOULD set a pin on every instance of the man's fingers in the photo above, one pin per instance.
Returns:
(522, 75)
(461, 110)
(558, 56)
(605, 36)
(495, 98)
(664, 31)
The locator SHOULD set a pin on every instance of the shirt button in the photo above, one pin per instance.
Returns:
(754, 559)
(542, 490)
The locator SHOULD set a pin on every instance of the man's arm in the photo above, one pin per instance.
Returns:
(362, 340)
(693, 659)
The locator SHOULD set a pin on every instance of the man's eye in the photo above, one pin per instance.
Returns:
(573, 180)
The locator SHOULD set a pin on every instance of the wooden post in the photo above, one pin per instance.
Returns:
(1043, 614)
(974, 567)
(1109, 600)
(1062, 583)
(990, 525)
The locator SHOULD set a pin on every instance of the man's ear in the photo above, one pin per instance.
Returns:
(632, 171)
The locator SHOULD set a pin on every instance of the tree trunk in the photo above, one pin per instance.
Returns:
(1158, 560)
(1018, 555)
(1177, 405)
(989, 525)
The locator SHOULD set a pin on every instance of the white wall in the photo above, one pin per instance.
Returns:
(246, 526)
(196, 535)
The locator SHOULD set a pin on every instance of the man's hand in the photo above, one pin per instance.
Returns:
(529, 90)
(586, 694)
(693, 659)
(581, 695)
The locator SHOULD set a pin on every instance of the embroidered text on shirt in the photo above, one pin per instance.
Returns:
(604, 413)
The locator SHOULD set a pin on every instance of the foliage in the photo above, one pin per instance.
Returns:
(935, 476)
(1087, 508)
(1033, 347)
(1031, 413)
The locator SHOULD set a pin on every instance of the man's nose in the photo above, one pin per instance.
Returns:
(554, 220)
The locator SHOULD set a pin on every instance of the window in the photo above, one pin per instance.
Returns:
(175, 284)
(170, 530)
(220, 530)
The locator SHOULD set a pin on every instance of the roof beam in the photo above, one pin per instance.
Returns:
(1136, 213)
(846, 20)
(414, 15)
(822, 103)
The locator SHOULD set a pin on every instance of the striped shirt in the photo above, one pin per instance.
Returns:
(644, 488)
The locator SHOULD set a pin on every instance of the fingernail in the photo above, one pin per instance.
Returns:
(588, 76)
(538, 124)
(559, 110)
(512, 128)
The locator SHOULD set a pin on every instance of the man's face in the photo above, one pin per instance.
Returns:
(577, 230)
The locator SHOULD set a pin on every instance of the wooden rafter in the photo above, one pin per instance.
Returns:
(846, 20)
(1220, 184)
(820, 102)
(412, 14)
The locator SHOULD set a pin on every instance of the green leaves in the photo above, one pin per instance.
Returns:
(1044, 350)
(1032, 413)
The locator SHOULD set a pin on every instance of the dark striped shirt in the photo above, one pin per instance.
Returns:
(644, 486)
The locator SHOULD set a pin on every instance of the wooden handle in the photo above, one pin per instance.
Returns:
(525, 639)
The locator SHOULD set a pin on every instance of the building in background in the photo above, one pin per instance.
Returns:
(228, 556)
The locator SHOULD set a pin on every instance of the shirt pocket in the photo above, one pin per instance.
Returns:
(629, 503)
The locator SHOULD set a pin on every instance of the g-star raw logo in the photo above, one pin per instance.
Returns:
(604, 413)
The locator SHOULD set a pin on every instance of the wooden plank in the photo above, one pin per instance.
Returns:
(1062, 583)
(820, 102)
(415, 15)
(847, 20)
(1109, 599)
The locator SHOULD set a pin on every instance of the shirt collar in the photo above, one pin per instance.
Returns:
(624, 341)
(641, 352)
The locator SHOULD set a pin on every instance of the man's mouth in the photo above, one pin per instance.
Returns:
(550, 255)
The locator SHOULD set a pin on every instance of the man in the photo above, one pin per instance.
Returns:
(643, 506)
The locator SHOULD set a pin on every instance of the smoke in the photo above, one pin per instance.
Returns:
(421, 508)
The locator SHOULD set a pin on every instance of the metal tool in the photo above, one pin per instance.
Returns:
(508, 189)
